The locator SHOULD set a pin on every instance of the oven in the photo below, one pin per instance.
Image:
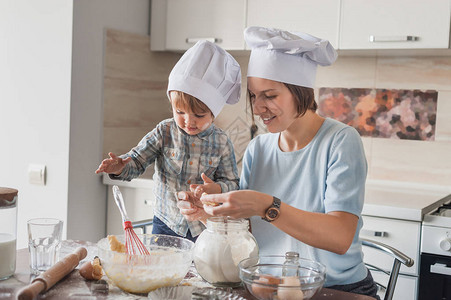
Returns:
(435, 257)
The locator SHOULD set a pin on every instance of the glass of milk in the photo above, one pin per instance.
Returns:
(8, 226)
(44, 242)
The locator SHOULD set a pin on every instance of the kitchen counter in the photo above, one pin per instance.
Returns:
(73, 286)
(404, 201)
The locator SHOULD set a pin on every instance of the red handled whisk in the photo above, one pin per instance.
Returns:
(133, 243)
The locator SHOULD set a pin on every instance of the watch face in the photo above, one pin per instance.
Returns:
(272, 213)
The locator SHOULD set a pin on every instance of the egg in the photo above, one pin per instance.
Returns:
(265, 292)
(293, 293)
(91, 270)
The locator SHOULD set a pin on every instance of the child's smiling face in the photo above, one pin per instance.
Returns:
(191, 122)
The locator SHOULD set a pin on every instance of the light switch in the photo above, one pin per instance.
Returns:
(36, 174)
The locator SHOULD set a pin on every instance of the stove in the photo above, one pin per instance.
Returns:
(435, 259)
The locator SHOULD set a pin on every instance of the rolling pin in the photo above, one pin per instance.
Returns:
(46, 280)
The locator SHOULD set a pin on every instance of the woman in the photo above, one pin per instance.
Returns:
(302, 184)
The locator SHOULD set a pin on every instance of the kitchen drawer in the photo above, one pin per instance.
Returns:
(399, 234)
(406, 286)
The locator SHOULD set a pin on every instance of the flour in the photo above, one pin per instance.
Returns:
(220, 248)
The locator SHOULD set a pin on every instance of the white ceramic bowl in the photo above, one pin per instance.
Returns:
(169, 260)
(263, 277)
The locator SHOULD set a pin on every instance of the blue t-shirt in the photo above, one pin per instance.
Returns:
(326, 175)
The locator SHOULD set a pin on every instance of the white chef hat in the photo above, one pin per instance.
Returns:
(289, 57)
(209, 73)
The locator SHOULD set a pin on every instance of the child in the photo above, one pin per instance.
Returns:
(187, 149)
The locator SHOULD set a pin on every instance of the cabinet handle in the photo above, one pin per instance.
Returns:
(195, 40)
(381, 39)
(440, 269)
(369, 232)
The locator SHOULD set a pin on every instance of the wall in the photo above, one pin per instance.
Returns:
(35, 87)
(402, 160)
(388, 159)
(87, 195)
(51, 82)
(135, 83)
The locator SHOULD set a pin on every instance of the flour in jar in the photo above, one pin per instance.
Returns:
(219, 249)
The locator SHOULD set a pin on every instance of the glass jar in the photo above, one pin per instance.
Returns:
(8, 231)
(220, 248)
(291, 265)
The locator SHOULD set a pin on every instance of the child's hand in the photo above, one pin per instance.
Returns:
(191, 207)
(113, 165)
(209, 187)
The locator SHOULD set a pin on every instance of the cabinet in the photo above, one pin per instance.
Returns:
(400, 234)
(139, 201)
(406, 286)
(388, 24)
(403, 235)
(319, 18)
(179, 24)
(348, 24)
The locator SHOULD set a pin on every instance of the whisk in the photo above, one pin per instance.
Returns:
(133, 243)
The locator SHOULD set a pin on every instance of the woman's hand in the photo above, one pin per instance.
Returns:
(209, 187)
(113, 165)
(237, 204)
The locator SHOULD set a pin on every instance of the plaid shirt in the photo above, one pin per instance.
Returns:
(180, 159)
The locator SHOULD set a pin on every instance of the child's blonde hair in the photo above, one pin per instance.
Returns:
(187, 102)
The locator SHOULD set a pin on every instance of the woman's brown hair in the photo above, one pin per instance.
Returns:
(305, 98)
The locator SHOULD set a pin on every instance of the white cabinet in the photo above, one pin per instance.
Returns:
(400, 24)
(348, 24)
(406, 286)
(400, 234)
(139, 201)
(319, 18)
(179, 24)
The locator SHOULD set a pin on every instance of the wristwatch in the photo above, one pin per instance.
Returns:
(273, 211)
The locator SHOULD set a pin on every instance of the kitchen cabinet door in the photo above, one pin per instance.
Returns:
(139, 203)
(319, 18)
(179, 24)
(406, 286)
(400, 24)
(399, 234)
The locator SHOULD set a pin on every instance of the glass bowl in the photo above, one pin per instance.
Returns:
(268, 278)
(168, 263)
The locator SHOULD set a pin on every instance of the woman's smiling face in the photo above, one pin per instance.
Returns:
(273, 102)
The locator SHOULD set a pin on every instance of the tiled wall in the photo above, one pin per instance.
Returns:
(135, 100)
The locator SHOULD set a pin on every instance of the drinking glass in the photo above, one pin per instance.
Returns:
(44, 242)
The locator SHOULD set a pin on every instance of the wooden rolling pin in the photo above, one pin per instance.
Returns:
(46, 280)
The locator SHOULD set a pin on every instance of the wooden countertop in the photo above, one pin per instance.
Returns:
(73, 286)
